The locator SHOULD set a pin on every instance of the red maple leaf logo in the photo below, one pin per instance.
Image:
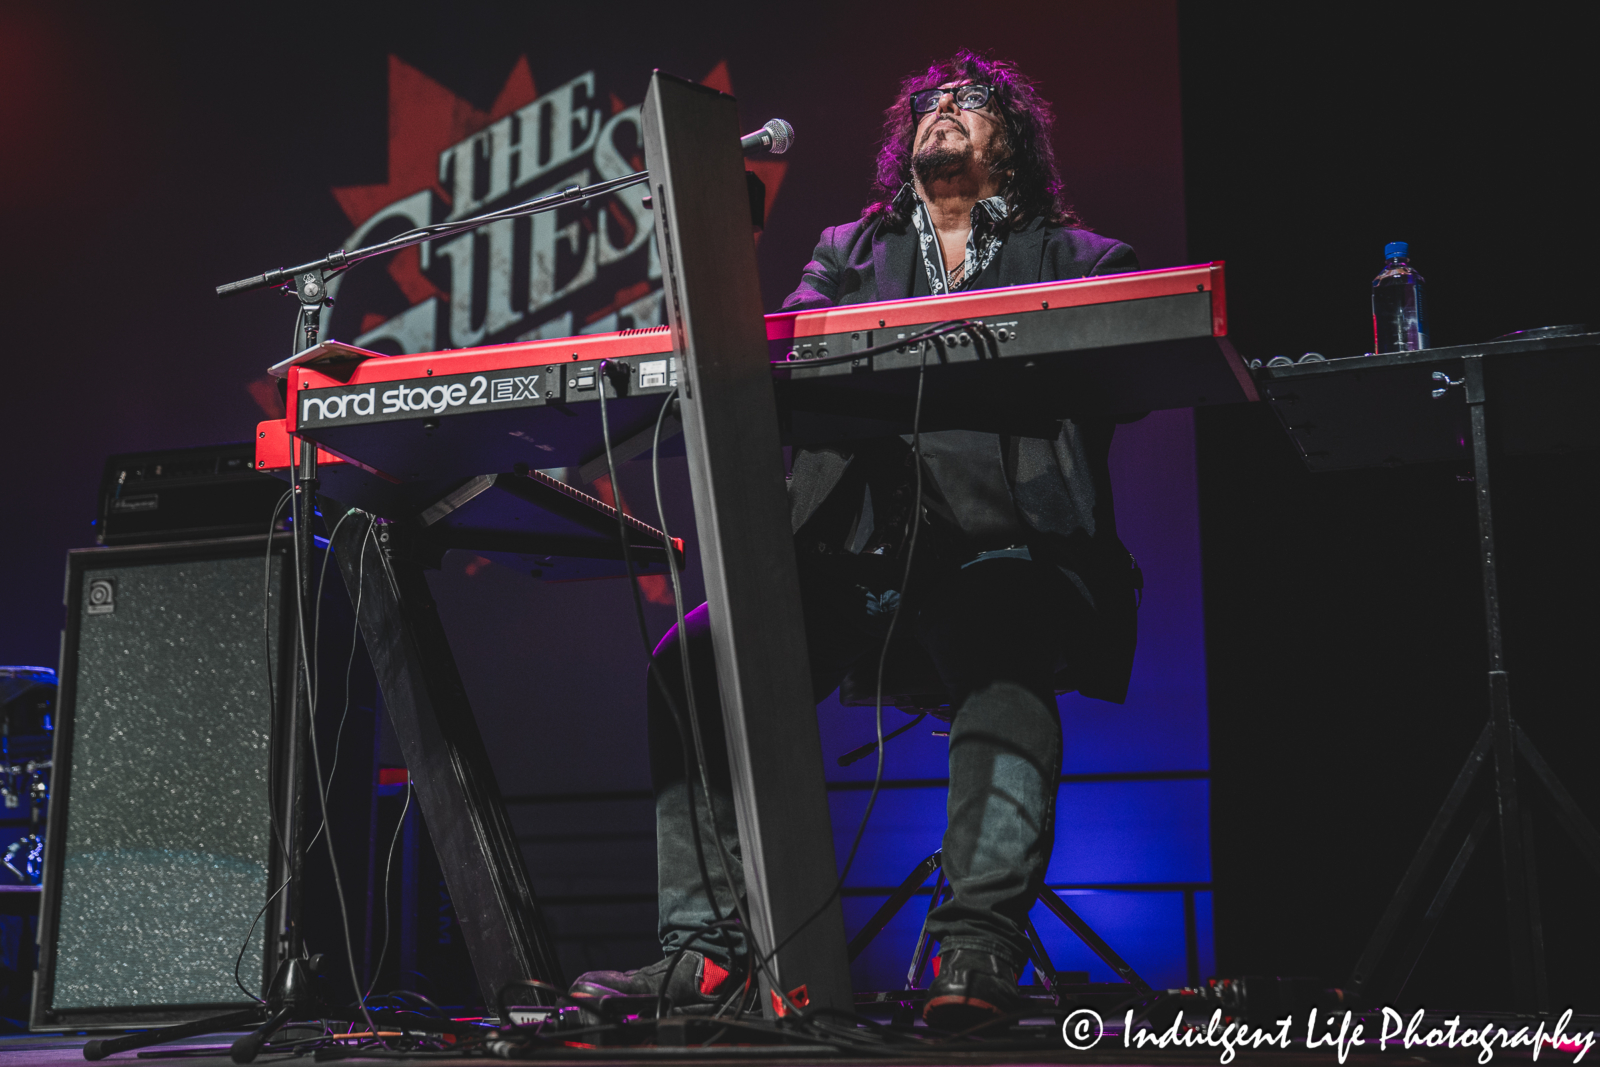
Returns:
(425, 121)
(425, 118)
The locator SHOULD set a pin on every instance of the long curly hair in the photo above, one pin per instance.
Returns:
(1034, 189)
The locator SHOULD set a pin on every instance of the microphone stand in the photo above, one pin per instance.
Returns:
(309, 282)
(310, 279)
(296, 986)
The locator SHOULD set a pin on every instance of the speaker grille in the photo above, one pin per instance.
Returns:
(166, 843)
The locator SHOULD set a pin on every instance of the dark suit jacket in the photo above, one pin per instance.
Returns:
(1061, 488)
(863, 261)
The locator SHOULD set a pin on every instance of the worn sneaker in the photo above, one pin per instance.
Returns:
(972, 988)
(699, 985)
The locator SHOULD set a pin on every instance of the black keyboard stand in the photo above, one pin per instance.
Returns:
(1531, 376)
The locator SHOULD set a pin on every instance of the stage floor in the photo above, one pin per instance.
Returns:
(55, 1050)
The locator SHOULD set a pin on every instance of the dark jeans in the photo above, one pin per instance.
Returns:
(995, 630)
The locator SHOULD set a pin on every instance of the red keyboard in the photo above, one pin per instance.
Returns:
(420, 424)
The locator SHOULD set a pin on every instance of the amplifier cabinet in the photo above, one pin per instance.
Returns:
(160, 846)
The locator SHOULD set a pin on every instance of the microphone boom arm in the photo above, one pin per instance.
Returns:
(320, 269)
(776, 137)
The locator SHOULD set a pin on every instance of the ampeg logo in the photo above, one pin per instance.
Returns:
(587, 268)
(102, 598)
(142, 502)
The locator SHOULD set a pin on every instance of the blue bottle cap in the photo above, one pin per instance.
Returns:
(1395, 248)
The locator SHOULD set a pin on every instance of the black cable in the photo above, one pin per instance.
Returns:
(403, 995)
(302, 509)
(701, 763)
(753, 948)
(914, 520)
(694, 722)
(316, 611)
(238, 960)
(388, 872)
(643, 1031)
(644, 634)
(388, 866)
(837, 1028)
(690, 735)
(309, 665)
(761, 961)
(355, 644)
(622, 523)
(323, 785)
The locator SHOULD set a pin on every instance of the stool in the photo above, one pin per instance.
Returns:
(912, 685)
(1041, 959)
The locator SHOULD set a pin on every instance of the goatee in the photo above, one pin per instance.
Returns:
(938, 161)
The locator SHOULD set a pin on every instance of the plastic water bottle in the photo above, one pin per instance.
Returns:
(1399, 314)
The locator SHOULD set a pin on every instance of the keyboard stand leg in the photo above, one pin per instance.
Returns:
(730, 427)
(444, 753)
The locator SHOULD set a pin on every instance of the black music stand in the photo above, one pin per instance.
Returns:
(1402, 408)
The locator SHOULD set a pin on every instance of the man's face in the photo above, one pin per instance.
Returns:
(951, 141)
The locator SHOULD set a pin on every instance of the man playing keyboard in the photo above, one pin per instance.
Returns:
(1017, 587)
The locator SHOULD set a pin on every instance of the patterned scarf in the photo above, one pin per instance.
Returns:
(983, 243)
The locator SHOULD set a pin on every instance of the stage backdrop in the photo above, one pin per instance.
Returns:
(162, 154)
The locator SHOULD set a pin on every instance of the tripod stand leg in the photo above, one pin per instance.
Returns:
(1372, 955)
(919, 957)
(1430, 919)
(1515, 858)
(1041, 960)
(1097, 944)
(101, 1047)
(1572, 818)
(891, 907)
(245, 1049)
(1541, 985)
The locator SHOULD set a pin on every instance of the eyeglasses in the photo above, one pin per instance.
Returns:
(968, 98)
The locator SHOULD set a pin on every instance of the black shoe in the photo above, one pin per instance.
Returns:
(972, 988)
(698, 985)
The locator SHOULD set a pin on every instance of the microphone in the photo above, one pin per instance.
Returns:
(776, 137)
